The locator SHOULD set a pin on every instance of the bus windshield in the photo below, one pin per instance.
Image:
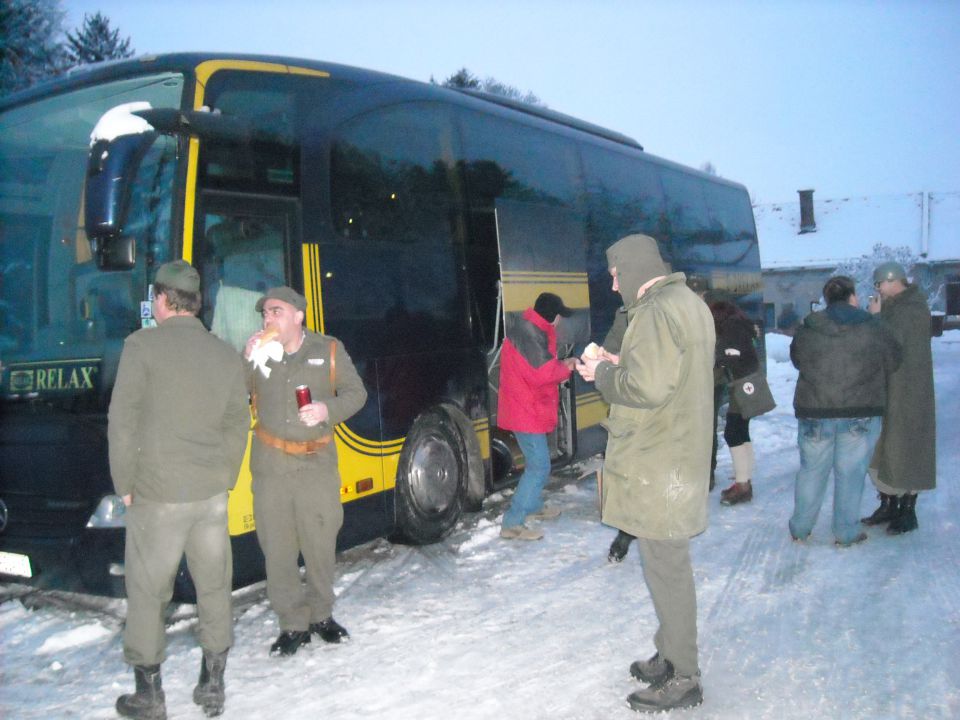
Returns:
(56, 308)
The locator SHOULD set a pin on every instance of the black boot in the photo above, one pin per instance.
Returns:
(289, 642)
(619, 546)
(906, 520)
(148, 702)
(329, 630)
(209, 693)
(888, 510)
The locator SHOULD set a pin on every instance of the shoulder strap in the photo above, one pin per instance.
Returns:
(333, 366)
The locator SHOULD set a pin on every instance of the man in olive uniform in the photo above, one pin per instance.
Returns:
(296, 484)
(178, 425)
(657, 465)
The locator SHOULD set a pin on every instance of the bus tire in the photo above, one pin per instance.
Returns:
(431, 479)
(476, 469)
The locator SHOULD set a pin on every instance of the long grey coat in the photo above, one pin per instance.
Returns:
(657, 467)
(906, 454)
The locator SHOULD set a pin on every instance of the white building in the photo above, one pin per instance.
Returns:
(800, 247)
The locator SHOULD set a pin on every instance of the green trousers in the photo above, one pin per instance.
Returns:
(158, 536)
(669, 576)
(299, 512)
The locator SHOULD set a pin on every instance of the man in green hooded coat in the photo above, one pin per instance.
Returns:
(657, 466)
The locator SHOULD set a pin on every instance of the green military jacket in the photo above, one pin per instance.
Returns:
(179, 414)
(276, 401)
(906, 454)
(657, 467)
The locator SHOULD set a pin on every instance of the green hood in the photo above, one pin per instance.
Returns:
(637, 260)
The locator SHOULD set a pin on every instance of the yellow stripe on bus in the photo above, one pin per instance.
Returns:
(521, 288)
(190, 202)
(591, 409)
(312, 288)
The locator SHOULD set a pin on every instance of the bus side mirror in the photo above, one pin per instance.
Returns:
(115, 253)
(111, 168)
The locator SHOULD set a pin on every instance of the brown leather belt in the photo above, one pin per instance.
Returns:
(291, 447)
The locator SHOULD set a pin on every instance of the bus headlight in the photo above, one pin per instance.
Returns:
(110, 513)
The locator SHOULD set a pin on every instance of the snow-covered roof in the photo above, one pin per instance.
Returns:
(850, 227)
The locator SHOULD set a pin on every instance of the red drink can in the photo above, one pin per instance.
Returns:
(303, 395)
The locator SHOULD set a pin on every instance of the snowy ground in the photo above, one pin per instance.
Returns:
(476, 627)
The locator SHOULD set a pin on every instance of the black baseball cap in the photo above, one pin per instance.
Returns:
(548, 306)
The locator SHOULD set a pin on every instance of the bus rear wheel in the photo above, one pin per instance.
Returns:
(431, 479)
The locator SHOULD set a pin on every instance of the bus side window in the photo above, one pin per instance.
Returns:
(395, 273)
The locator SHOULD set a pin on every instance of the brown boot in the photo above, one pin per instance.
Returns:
(737, 493)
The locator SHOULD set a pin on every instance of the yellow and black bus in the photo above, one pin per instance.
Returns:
(417, 220)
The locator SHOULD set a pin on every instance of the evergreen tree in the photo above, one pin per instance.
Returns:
(462, 78)
(96, 42)
(30, 48)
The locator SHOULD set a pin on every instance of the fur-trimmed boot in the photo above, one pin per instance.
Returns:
(148, 702)
(888, 510)
(209, 693)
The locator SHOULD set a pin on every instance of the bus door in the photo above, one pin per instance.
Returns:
(241, 251)
(543, 249)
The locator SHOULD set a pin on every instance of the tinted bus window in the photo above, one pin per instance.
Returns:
(513, 161)
(392, 275)
(624, 196)
(272, 107)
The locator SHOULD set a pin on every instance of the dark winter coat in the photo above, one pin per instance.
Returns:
(657, 468)
(906, 454)
(845, 356)
(529, 399)
(736, 334)
(614, 337)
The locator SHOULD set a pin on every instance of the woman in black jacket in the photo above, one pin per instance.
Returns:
(736, 355)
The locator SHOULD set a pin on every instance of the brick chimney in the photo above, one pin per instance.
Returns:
(807, 222)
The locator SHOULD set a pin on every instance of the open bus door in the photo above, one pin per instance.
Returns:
(542, 248)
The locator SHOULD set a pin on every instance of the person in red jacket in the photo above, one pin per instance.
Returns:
(527, 405)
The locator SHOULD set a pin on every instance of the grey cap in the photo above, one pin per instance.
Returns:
(179, 275)
(286, 294)
(889, 271)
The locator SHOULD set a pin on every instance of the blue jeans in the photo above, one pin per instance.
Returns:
(536, 472)
(846, 446)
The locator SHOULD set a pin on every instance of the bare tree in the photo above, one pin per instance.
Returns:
(463, 78)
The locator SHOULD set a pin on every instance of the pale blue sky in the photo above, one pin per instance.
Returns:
(849, 97)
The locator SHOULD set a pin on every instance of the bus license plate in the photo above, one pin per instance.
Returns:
(15, 564)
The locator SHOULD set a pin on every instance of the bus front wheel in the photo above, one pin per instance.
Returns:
(431, 479)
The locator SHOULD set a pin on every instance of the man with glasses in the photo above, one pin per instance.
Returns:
(299, 394)
(904, 461)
